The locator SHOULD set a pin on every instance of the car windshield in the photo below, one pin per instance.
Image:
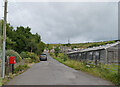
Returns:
(43, 55)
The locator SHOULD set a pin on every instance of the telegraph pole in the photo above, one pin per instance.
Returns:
(4, 38)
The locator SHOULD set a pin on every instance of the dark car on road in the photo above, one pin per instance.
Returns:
(43, 57)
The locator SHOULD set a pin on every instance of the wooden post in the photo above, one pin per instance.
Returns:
(12, 68)
(8, 65)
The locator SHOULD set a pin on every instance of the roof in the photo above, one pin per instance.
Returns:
(96, 48)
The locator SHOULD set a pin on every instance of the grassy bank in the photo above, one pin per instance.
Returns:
(23, 62)
(103, 71)
(83, 45)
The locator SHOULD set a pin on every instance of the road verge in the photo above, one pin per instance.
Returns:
(101, 71)
(18, 70)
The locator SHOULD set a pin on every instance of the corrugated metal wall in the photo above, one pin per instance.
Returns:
(109, 55)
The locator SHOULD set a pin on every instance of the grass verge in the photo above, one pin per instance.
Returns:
(106, 72)
(18, 70)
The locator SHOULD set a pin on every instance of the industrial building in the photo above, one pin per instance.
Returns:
(106, 54)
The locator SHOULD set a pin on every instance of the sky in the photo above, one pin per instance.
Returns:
(57, 22)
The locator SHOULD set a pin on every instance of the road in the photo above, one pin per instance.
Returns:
(52, 72)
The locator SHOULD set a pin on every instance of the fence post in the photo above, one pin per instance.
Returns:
(7, 66)
(12, 68)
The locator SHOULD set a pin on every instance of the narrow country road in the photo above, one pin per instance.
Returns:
(52, 72)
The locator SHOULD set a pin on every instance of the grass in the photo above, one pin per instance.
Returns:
(84, 45)
(107, 72)
(21, 68)
(0, 81)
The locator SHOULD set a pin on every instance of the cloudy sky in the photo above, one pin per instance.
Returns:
(58, 21)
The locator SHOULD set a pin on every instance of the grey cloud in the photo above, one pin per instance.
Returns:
(56, 22)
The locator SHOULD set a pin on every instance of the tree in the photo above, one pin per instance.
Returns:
(31, 46)
(40, 48)
(10, 44)
(21, 39)
(57, 50)
(49, 46)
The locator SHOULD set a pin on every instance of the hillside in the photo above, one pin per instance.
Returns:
(84, 45)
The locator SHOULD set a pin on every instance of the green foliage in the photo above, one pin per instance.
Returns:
(1, 26)
(23, 55)
(85, 45)
(97, 71)
(49, 47)
(13, 53)
(40, 49)
(10, 44)
(31, 55)
(21, 68)
(21, 39)
(28, 60)
(57, 50)
(65, 57)
(74, 47)
(57, 58)
(67, 44)
(107, 72)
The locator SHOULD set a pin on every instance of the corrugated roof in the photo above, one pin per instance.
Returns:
(96, 48)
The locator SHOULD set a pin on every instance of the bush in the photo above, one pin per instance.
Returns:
(33, 56)
(28, 60)
(23, 54)
(57, 50)
(21, 68)
(13, 53)
(64, 57)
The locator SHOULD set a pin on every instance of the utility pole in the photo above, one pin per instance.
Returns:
(4, 38)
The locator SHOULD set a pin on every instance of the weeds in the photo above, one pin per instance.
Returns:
(21, 68)
(104, 71)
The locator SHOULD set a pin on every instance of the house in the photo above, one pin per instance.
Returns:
(65, 49)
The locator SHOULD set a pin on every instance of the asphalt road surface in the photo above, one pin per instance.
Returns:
(52, 72)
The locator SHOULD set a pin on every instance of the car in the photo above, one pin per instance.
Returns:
(43, 57)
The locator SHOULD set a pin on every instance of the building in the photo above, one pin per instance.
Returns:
(102, 54)
(65, 49)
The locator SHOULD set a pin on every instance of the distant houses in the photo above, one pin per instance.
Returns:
(65, 49)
